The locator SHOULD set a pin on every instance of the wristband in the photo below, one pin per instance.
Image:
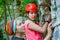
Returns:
(47, 21)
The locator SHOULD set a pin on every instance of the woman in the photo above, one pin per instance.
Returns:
(32, 26)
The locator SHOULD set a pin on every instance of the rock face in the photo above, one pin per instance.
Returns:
(48, 1)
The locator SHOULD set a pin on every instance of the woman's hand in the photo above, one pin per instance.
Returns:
(49, 29)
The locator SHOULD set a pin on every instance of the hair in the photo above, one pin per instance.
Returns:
(21, 19)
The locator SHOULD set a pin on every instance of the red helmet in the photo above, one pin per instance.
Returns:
(31, 7)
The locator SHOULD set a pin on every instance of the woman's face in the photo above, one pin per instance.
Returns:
(32, 15)
(20, 26)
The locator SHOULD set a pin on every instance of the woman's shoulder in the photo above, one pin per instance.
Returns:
(27, 22)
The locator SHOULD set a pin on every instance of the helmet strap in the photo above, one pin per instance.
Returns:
(35, 21)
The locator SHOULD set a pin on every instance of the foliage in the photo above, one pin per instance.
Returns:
(55, 8)
(1, 34)
(1, 13)
(2, 3)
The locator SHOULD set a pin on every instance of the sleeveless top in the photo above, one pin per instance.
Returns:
(31, 34)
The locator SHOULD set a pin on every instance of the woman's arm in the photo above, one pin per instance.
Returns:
(49, 33)
(35, 27)
(47, 37)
